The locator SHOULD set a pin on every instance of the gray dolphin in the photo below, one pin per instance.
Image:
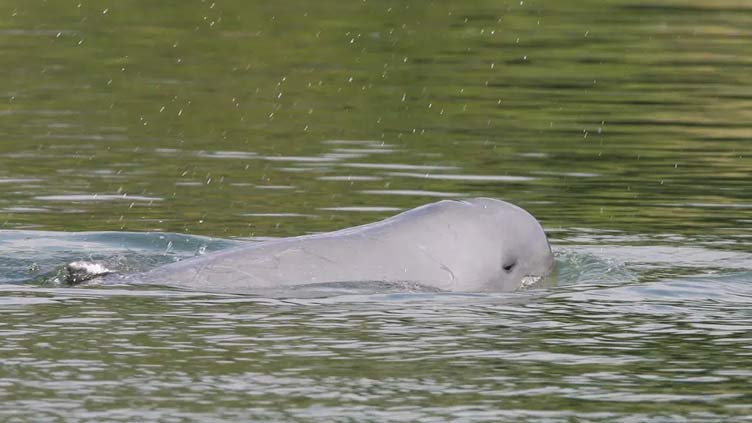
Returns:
(476, 245)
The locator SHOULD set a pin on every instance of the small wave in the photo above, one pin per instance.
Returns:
(594, 271)
(40, 256)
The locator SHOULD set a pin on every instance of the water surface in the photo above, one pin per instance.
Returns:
(137, 135)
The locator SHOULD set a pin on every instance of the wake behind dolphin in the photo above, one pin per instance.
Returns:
(477, 245)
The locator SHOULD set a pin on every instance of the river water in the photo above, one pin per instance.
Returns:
(136, 134)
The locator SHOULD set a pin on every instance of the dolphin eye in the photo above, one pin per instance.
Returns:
(509, 266)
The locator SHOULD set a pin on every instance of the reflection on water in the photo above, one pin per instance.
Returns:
(620, 115)
(549, 356)
(622, 125)
(609, 341)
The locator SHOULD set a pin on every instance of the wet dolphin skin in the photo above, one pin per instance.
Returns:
(475, 245)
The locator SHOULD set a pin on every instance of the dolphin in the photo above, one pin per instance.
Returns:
(474, 245)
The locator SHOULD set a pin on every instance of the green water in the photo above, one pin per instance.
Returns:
(624, 126)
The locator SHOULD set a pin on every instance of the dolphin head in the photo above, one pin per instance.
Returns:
(524, 254)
